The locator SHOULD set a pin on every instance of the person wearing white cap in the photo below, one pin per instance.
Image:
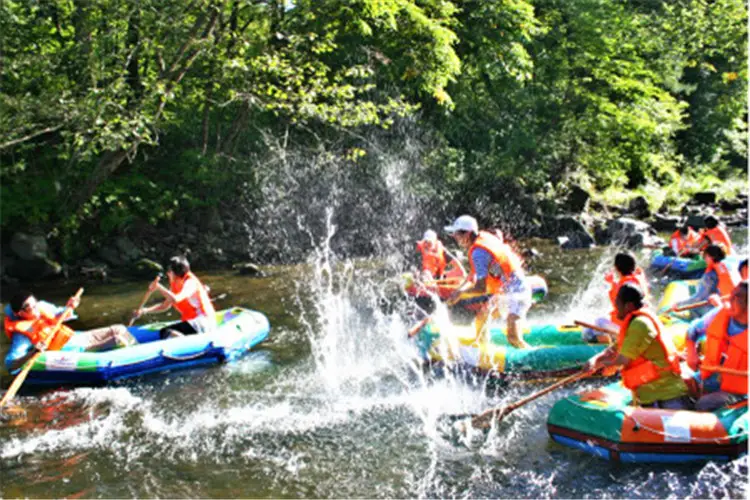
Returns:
(495, 269)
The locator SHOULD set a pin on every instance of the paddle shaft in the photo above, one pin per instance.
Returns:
(21, 377)
(145, 299)
(597, 328)
(696, 305)
(489, 414)
(728, 371)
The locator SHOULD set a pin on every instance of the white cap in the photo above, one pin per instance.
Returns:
(429, 235)
(464, 223)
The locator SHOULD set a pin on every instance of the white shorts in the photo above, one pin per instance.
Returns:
(519, 303)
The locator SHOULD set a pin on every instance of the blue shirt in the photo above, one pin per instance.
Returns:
(482, 259)
(709, 284)
(699, 327)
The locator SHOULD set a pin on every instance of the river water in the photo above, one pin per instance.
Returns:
(330, 406)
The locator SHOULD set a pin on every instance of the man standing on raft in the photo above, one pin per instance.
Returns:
(495, 269)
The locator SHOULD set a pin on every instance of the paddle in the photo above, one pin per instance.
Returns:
(145, 298)
(728, 371)
(696, 305)
(13, 389)
(606, 331)
(484, 419)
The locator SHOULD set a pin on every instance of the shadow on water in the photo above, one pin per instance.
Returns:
(332, 405)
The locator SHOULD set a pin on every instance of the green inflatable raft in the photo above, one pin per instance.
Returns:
(603, 423)
(556, 349)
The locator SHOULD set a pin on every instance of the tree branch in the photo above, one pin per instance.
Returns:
(30, 136)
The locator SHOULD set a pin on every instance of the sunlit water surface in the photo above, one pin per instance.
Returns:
(331, 406)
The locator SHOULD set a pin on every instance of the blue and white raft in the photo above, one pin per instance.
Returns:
(238, 331)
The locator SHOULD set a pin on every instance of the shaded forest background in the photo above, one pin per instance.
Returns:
(117, 116)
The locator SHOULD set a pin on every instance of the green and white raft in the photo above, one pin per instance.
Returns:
(603, 423)
(556, 349)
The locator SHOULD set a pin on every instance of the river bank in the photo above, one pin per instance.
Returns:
(218, 240)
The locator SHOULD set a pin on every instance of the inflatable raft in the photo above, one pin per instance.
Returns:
(239, 330)
(602, 423)
(678, 267)
(556, 349)
(683, 267)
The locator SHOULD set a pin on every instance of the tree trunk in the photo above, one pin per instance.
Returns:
(133, 73)
(111, 160)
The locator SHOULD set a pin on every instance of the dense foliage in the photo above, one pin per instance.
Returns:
(119, 111)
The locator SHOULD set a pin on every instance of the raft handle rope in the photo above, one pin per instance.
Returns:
(639, 425)
(188, 357)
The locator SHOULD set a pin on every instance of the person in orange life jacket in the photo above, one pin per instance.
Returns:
(186, 294)
(725, 332)
(650, 366)
(684, 242)
(28, 324)
(717, 233)
(435, 264)
(626, 270)
(495, 269)
(718, 279)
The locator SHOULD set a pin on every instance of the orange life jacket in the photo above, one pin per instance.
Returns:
(198, 304)
(504, 260)
(732, 349)
(433, 259)
(641, 370)
(683, 242)
(719, 235)
(38, 329)
(727, 281)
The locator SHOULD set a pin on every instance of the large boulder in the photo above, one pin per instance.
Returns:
(111, 255)
(644, 240)
(666, 223)
(128, 251)
(732, 205)
(576, 240)
(34, 269)
(623, 229)
(29, 246)
(704, 198)
(577, 200)
(560, 225)
(572, 232)
(639, 208)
